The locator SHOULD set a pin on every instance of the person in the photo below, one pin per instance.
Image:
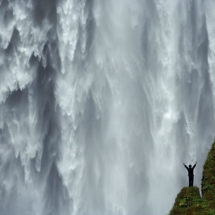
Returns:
(190, 173)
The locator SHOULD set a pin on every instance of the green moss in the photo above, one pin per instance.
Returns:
(208, 179)
(189, 202)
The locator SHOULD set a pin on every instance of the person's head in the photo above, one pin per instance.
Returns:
(190, 166)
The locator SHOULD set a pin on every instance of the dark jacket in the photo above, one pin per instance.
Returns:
(190, 170)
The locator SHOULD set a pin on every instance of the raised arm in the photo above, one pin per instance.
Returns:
(194, 165)
(185, 166)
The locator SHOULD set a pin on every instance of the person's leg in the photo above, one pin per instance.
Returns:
(190, 181)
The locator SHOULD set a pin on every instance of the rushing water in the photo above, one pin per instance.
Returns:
(101, 101)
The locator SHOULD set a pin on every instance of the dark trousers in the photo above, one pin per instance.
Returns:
(191, 181)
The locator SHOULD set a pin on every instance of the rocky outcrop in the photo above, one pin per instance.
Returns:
(189, 201)
(208, 179)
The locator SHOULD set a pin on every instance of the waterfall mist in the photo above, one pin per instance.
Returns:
(101, 101)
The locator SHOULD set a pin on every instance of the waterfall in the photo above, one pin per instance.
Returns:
(101, 101)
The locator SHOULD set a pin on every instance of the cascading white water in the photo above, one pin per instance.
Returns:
(101, 101)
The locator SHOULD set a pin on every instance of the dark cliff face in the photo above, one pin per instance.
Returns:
(189, 202)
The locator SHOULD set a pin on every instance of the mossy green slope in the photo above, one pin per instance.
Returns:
(208, 179)
(189, 202)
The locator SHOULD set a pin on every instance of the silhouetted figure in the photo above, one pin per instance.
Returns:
(190, 173)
